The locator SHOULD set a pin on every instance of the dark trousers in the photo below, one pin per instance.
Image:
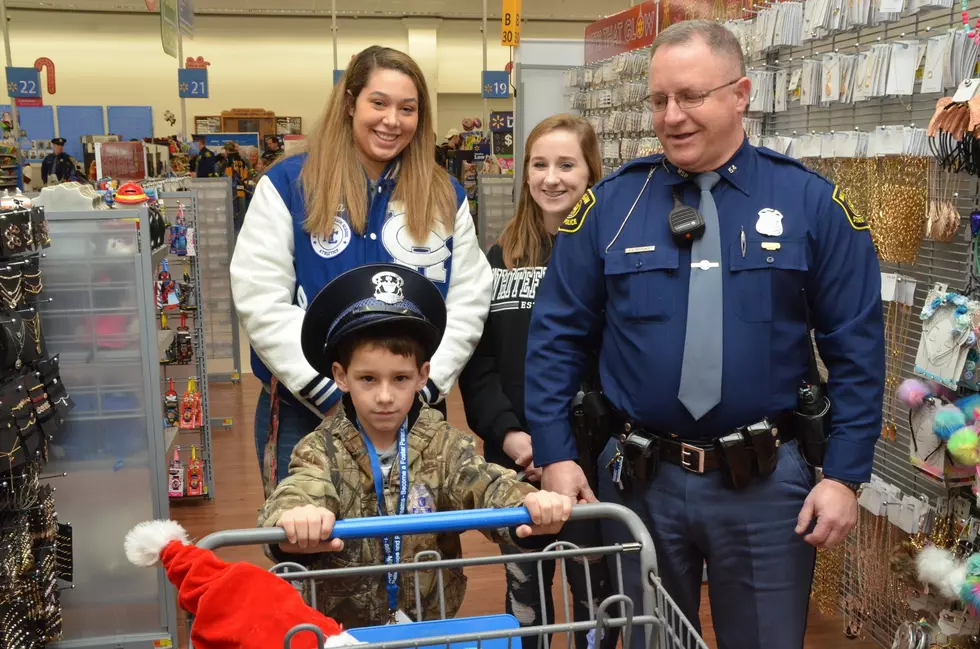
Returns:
(524, 589)
(759, 570)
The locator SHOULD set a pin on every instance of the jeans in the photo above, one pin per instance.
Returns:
(295, 423)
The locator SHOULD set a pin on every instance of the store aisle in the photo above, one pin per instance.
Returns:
(238, 490)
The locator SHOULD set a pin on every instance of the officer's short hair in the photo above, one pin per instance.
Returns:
(719, 39)
(389, 337)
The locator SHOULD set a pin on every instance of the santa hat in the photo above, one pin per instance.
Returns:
(235, 605)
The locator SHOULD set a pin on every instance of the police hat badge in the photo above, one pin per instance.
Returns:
(369, 296)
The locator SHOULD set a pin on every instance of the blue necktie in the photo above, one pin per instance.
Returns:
(700, 388)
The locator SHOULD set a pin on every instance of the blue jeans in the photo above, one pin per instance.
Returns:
(759, 569)
(295, 423)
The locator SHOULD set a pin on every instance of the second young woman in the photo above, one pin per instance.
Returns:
(561, 162)
(367, 190)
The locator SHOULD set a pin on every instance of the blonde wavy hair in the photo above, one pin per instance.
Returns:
(333, 177)
(525, 242)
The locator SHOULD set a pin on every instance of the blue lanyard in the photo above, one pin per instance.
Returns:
(392, 545)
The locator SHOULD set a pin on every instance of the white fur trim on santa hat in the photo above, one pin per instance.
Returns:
(146, 541)
(342, 640)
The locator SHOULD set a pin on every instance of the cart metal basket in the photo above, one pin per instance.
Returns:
(659, 620)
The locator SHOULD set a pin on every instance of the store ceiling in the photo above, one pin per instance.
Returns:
(566, 10)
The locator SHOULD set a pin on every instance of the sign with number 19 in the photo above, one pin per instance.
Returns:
(496, 84)
(23, 82)
(192, 83)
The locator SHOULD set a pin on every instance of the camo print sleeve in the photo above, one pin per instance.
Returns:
(474, 483)
(308, 483)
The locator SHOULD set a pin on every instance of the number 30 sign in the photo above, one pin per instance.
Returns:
(23, 82)
(192, 83)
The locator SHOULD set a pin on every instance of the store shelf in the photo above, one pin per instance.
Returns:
(165, 338)
(170, 437)
(159, 255)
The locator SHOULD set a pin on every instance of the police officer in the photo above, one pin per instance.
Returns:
(700, 318)
(59, 163)
(206, 160)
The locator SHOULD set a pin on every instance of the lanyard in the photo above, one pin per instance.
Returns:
(392, 545)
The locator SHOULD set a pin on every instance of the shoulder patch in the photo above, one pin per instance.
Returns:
(857, 221)
(576, 217)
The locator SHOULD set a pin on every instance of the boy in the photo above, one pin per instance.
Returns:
(374, 329)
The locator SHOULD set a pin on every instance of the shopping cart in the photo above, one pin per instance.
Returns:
(661, 622)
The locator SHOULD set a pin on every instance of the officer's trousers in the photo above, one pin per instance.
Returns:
(759, 570)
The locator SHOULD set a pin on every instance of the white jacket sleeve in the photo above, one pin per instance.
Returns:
(263, 287)
(467, 306)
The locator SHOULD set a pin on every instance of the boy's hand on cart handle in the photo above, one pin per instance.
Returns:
(308, 529)
(548, 511)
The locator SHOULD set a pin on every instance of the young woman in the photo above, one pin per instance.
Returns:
(367, 190)
(561, 162)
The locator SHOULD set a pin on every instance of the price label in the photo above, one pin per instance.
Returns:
(496, 85)
(192, 83)
(23, 82)
(510, 23)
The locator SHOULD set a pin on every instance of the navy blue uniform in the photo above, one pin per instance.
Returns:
(623, 287)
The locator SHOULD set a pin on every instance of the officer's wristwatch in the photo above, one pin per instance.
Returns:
(853, 486)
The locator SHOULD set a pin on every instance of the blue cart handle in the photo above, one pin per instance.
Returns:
(431, 523)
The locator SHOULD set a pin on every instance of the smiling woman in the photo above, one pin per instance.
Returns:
(367, 189)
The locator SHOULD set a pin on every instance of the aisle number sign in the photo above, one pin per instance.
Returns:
(192, 83)
(23, 82)
(495, 84)
(510, 23)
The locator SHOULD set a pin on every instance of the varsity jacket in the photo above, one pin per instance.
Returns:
(492, 385)
(277, 268)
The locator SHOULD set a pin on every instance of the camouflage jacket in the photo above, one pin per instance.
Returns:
(331, 468)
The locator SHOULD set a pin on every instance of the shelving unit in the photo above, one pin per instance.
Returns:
(198, 437)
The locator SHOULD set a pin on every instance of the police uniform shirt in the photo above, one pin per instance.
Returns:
(628, 283)
(60, 165)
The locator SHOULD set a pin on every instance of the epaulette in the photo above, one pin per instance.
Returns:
(779, 157)
(632, 166)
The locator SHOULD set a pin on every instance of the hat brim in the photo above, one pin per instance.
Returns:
(320, 344)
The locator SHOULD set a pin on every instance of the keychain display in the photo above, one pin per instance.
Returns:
(190, 407)
(171, 403)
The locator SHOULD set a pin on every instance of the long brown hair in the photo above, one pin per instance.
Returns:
(525, 242)
(333, 176)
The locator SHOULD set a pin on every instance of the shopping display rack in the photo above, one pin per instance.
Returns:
(660, 621)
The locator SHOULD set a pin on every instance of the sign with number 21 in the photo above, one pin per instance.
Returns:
(192, 83)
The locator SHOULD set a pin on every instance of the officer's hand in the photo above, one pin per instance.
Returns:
(307, 530)
(568, 479)
(548, 511)
(836, 510)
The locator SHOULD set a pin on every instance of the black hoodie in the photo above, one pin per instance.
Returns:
(492, 384)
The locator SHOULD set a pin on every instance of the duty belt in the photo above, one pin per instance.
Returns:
(696, 456)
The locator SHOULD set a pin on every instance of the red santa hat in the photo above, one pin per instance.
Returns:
(235, 605)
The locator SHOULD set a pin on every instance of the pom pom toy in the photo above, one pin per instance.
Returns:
(235, 605)
(963, 446)
(970, 589)
(947, 421)
(913, 392)
(938, 568)
(970, 406)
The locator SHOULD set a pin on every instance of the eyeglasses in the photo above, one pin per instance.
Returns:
(685, 100)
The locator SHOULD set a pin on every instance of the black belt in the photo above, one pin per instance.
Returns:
(696, 456)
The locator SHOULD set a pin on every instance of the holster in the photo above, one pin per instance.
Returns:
(747, 453)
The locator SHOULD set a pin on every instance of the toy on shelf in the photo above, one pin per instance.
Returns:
(185, 344)
(170, 404)
(175, 487)
(188, 297)
(178, 233)
(195, 475)
(168, 294)
(190, 407)
(130, 194)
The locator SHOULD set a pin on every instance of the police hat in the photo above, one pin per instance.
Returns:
(366, 297)
(59, 140)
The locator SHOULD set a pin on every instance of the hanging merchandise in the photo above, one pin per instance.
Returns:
(195, 475)
(170, 351)
(185, 344)
(158, 226)
(191, 243)
(178, 233)
(190, 407)
(171, 403)
(175, 488)
(949, 322)
(168, 294)
(188, 296)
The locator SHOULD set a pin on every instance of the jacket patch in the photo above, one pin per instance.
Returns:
(576, 217)
(430, 257)
(336, 243)
(421, 500)
(857, 221)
